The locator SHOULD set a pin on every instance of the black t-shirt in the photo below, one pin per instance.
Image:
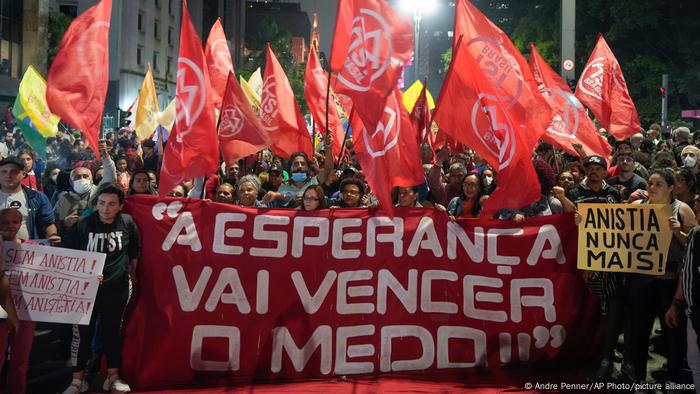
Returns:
(632, 184)
(119, 240)
(584, 194)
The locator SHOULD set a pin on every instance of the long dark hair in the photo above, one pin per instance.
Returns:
(476, 208)
(151, 189)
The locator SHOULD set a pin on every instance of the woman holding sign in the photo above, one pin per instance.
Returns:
(109, 231)
(652, 296)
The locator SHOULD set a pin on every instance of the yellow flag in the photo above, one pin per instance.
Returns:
(32, 93)
(410, 96)
(253, 97)
(147, 109)
(167, 117)
(255, 81)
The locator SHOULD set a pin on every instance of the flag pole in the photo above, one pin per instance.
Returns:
(345, 139)
(313, 133)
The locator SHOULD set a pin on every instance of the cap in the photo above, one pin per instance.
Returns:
(276, 168)
(12, 160)
(149, 144)
(595, 159)
(349, 170)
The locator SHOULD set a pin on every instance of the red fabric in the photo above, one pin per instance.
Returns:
(420, 116)
(78, 78)
(374, 42)
(240, 131)
(602, 88)
(472, 111)
(219, 62)
(388, 153)
(193, 147)
(315, 86)
(571, 123)
(20, 344)
(280, 114)
(504, 66)
(220, 267)
(30, 182)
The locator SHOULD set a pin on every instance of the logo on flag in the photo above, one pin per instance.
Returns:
(371, 43)
(269, 106)
(231, 122)
(386, 134)
(498, 135)
(90, 46)
(221, 54)
(592, 78)
(500, 67)
(191, 97)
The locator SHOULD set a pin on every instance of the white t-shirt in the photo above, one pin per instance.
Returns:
(17, 201)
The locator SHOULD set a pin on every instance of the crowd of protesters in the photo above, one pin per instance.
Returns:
(69, 194)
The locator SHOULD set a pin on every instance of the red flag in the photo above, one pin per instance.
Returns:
(315, 86)
(280, 113)
(603, 89)
(240, 131)
(470, 111)
(389, 154)
(504, 66)
(571, 123)
(219, 62)
(420, 116)
(193, 147)
(79, 75)
(371, 43)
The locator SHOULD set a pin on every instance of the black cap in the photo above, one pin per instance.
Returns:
(595, 159)
(12, 160)
(149, 144)
(276, 168)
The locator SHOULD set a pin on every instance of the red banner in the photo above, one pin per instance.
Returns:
(229, 294)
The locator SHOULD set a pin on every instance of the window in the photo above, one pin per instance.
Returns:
(170, 36)
(157, 3)
(155, 60)
(156, 29)
(170, 7)
(139, 22)
(68, 9)
(139, 52)
(168, 66)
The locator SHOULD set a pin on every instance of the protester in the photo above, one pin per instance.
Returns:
(140, 183)
(247, 191)
(468, 203)
(652, 296)
(179, 191)
(114, 233)
(685, 186)
(607, 286)
(26, 156)
(49, 180)
(225, 193)
(17, 334)
(289, 194)
(444, 192)
(627, 177)
(123, 175)
(566, 180)
(313, 199)
(352, 194)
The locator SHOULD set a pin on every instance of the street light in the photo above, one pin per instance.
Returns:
(418, 8)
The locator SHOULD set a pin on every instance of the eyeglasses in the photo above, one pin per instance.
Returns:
(311, 199)
(471, 184)
(351, 192)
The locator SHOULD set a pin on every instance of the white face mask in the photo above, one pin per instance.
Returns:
(488, 180)
(54, 178)
(690, 161)
(82, 186)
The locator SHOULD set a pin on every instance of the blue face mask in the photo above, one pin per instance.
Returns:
(299, 177)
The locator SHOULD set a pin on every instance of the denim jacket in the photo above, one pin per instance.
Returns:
(40, 213)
